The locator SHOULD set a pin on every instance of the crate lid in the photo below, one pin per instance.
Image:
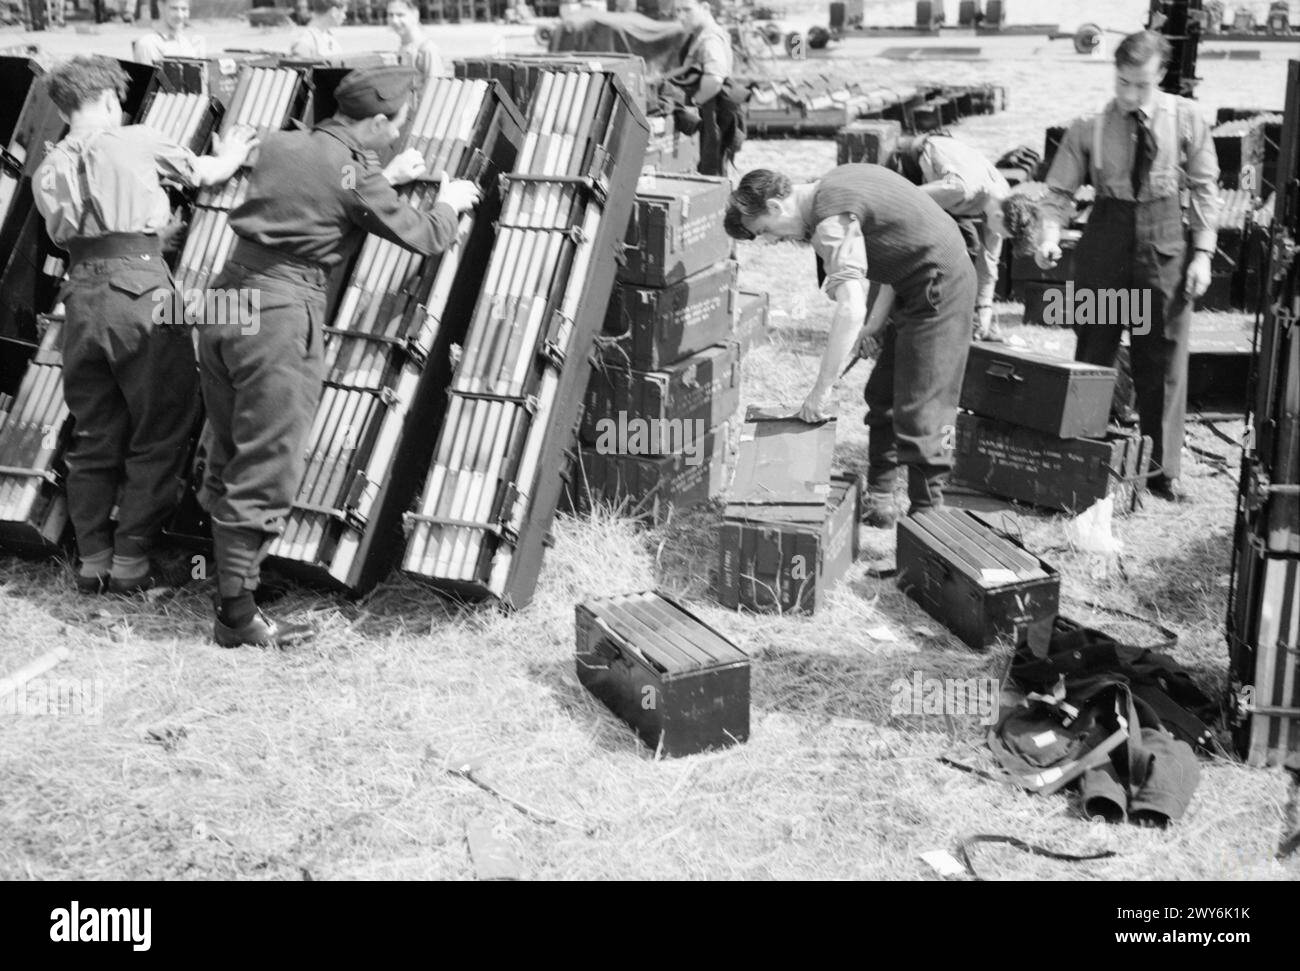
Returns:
(663, 633)
(799, 515)
(782, 461)
(675, 186)
(1022, 356)
(973, 546)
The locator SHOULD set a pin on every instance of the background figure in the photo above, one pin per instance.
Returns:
(415, 48)
(171, 38)
(1140, 151)
(317, 40)
(707, 54)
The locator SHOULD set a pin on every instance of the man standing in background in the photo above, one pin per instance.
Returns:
(415, 49)
(171, 38)
(1141, 151)
(708, 53)
(318, 40)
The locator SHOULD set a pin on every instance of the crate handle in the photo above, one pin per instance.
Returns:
(1004, 372)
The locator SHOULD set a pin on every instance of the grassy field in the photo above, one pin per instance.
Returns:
(337, 760)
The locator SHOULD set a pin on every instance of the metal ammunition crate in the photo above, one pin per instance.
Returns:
(978, 583)
(681, 685)
(676, 229)
(648, 328)
(1067, 399)
(1067, 474)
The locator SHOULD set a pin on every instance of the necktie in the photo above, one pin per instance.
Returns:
(1144, 153)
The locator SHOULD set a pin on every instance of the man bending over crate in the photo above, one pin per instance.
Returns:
(130, 382)
(867, 223)
(312, 197)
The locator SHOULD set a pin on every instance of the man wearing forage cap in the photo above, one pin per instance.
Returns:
(313, 195)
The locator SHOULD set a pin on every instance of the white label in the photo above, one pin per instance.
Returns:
(943, 863)
(998, 576)
(1044, 739)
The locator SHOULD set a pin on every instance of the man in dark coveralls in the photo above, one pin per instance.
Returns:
(867, 223)
(1144, 150)
(312, 198)
(128, 374)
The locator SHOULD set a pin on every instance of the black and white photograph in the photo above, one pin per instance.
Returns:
(649, 441)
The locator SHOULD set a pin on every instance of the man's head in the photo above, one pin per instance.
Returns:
(331, 12)
(763, 204)
(176, 14)
(88, 85)
(403, 17)
(1139, 65)
(374, 102)
(1022, 221)
(692, 14)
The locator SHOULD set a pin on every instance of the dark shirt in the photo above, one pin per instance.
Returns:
(315, 195)
(905, 234)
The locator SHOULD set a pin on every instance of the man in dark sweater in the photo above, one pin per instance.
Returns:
(312, 197)
(867, 223)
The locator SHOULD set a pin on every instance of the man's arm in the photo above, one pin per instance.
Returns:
(178, 164)
(375, 206)
(146, 50)
(1202, 172)
(1069, 169)
(713, 69)
(838, 241)
(946, 182)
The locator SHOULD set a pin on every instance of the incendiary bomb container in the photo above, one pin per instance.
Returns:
(704, 387)
(789, 531)
(1067, 399)
(653, 487)
(649, 327)
(977, 582)
(676, 228)
(1068, 474)
(752, 320)
(34, 430)
(681, 685)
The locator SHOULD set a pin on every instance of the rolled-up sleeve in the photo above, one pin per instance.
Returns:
(175, 163)
(838, 241)
(1068, 172)
(1203, 183)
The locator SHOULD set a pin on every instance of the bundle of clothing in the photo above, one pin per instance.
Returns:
(1122, 724)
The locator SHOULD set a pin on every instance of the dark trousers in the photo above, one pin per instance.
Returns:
(261, 390)
(131, 385)
(1142, 246)
(714, 155)
(914, 388)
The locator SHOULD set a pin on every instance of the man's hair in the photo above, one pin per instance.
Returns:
(325, 6)
(750, 198)
(1137, 49)
(83, 79)
(1021, 218)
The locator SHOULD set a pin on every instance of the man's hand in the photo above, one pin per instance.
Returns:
(1048, 254)
(459, 194)
(1198, 275)
(237, 143)
(404, 167)
(868, 347)
(816, 407)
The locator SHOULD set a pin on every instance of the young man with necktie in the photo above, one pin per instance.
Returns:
(1143, 151)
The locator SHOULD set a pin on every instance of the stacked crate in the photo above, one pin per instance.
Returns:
(1034, 429)
(790, 528)
(670, 365)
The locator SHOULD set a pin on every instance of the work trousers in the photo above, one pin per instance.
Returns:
(914, 388)
(1142, 246)
(131, 385)
(261, 388)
